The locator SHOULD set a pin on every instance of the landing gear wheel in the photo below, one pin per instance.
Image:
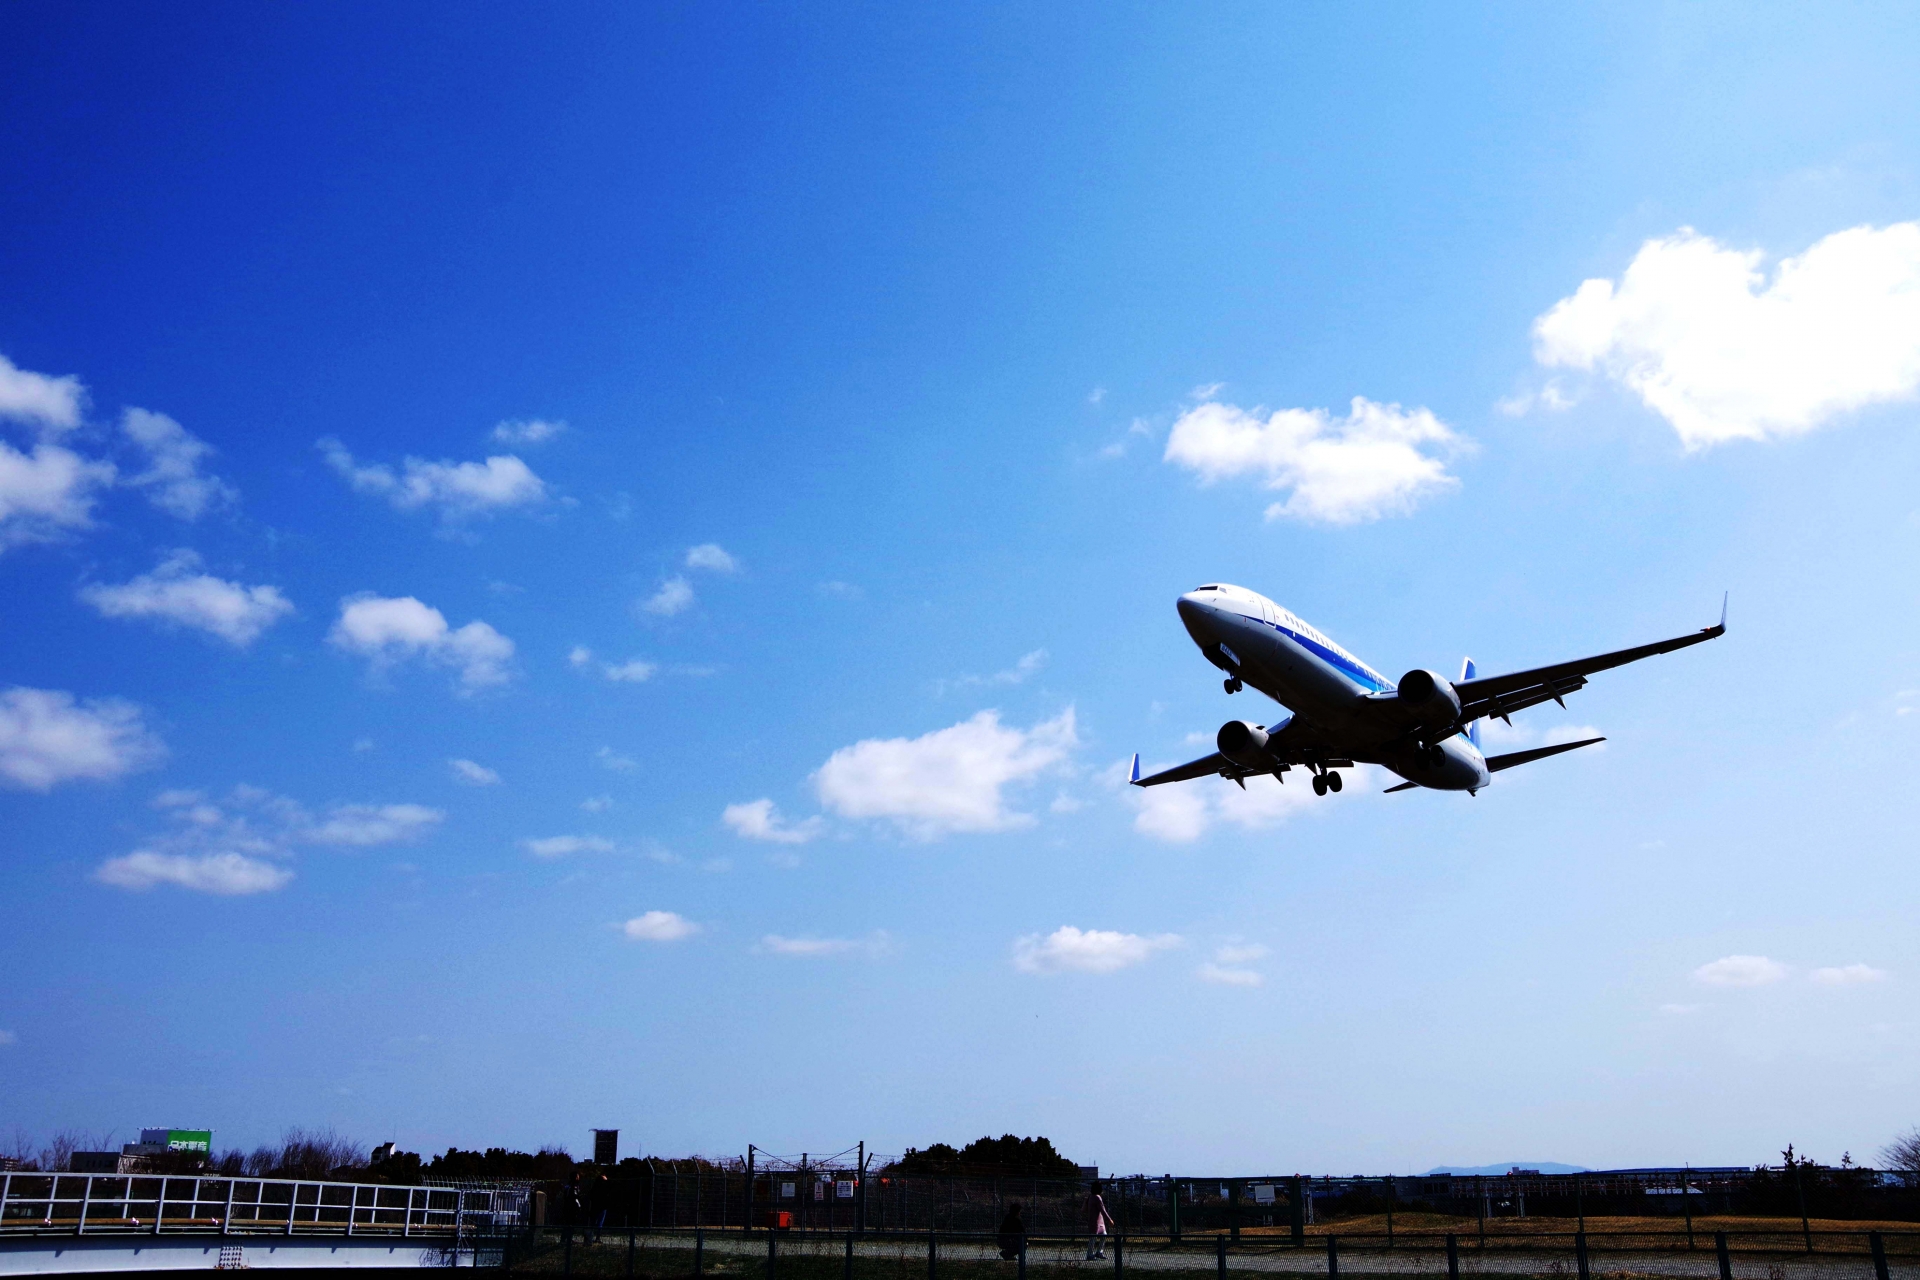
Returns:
(1333, 781)
(1319, 784)
(1231, 684)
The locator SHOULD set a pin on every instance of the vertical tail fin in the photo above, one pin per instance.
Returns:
(1473, 730)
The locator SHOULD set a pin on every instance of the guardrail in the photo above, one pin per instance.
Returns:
(153, 1204)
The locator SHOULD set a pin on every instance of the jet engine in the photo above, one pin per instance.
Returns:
(1430, 697)
(1244, 744)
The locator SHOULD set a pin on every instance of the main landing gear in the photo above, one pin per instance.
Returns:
(1231, 684)
(1325, 781)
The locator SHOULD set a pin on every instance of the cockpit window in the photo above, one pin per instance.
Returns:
(1214, 586)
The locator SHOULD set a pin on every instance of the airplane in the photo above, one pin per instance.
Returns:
(1426, 728)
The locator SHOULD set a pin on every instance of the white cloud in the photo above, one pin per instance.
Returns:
(47, 737)
(8, 1038)
(474, 775)
(597, 804)
(53, 404)
(1228, 966)
(659, 926)
(225, 874)
(562, 846)
(947, 781)
(1226, 976)
(874, 945)
(842, 591)
(1336, 470)
(580, 656)
(173, 479)
(1026, 665)
(175, 593)
(389, 629)
(611, 759)
(1848, 975)
(759, 820)
(674, 596)
(806, 946)
(713, 557)
(46, 492)
(365, 825)
(241, 845)
(1071, 950)
(1740, 971)
(456, 489)
(1708, 342)
(1096, 395)
(1181, 812)
(530, 431)
(632, 671)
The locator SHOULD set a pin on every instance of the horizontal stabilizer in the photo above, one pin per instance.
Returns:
(1496, 763)
(1405, 786)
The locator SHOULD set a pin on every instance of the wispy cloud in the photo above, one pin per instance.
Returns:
(176, 594)
(47, 737)
(760, 820)
(1848, 975)
(674, 596)
(659, 926)
(1741, 971)
(529, 431)
(1026, 666)
(173, 479)
(474, 775)
(873, 946)
(1072, 950)
(564, 846)
(456, 490)
(712, 557)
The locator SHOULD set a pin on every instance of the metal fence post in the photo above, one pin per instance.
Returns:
(773, 1241)
(1453, 1256)
(630, 1233)
(566, 1254)
(1296, 1212)
(1220, 1256)
(1333, 1257)
(1686, 1200)
(1580, 1253)
(1119, 1248)
(848, 1273)
(1720, 1248)
(1023, 1260)
(933, 1254)
(699, 1252)
(1879, 1248)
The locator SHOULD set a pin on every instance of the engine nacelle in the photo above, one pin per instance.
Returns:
(1431, 697)
(1244, 744)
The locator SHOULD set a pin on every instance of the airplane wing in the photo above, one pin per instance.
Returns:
(1496, 763)
(1503, 695)
(1203, 768)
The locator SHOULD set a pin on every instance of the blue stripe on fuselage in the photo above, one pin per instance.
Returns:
(1352, 668)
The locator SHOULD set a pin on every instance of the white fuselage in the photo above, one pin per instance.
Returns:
(1339, 702)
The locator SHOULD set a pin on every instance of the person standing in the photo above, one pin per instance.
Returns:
(1098, 1220)
(1013, 1233)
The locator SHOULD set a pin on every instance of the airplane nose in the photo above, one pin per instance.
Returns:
(1195, 615)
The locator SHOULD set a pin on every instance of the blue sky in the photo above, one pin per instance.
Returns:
(600, 567)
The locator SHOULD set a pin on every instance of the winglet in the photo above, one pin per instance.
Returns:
(1133, 775)
(1723, 609)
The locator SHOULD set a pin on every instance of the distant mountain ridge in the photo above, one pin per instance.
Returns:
(1495, 1170)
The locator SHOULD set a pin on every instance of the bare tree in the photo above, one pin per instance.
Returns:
(315, 1153)
(19, 1148)
(1903, 1153)
(58, 1153)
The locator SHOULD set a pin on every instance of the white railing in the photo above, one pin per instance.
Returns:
(153, 1204)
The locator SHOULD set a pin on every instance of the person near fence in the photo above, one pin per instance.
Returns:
(1098, 1220)
(570, 1205)
(596, 1194)
(1013, 1233)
